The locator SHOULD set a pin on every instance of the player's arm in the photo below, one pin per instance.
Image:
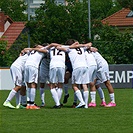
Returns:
(42, 50)
(93, 49)
(88, 45)
(25, 50)
(52, 45)
(59, 47)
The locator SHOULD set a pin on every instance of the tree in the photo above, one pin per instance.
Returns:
(57, 23)
(101, 9)
(3, 45)
(115, 46)
(14, 8)
(126, 3)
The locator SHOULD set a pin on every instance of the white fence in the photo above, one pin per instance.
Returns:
(121, 76)
(6, 82)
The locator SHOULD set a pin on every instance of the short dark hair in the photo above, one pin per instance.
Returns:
(70, 41)
(45, 44)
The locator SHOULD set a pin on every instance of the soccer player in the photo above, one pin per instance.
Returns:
(68, 74)
(44, 77)
(17, 70)
(80, 70)
(92, 75)
(103, 76)
(31, 73)
(57, 72)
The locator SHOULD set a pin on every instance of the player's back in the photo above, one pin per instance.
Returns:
(90, 58)
(34, 59)
(99, 59)
(57, 58)
(77, 57)
(20, 61)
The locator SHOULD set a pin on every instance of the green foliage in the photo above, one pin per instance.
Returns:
(117, 47)
(57, 23)
(3, 45)
(101, 9)
(14, 8)
(126, 3)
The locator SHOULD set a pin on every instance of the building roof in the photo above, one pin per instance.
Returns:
(10, 30)
(12, 33)
(120, 19)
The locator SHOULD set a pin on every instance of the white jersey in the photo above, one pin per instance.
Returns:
(57, 58)
(99, 59)
(90, 59)
(34, 58)
(102, 68)
(20, 61)
(77, 57)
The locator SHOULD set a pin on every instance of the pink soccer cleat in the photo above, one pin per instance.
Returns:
(111, 104)
(91, 104)
(103, 104)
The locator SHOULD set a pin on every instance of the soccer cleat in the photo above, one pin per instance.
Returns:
(56, 107)
(91, 104)
(28, 107)
(86, 106)
(8, 104)
(42, 105)
(61, 105)
(34, 107)
(111, 104)
(80, 105)
(22, 107)
(103, 103)
(65, 98)
(18, 106)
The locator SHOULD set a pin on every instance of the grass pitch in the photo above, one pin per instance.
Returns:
(117, 119)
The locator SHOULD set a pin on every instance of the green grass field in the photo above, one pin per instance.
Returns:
(117, 119)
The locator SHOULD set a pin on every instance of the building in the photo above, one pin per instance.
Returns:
(9, 30)
(122, 19)
(34, 4)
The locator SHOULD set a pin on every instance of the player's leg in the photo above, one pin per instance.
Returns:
(42, 94)
(11, 95)
(67, 77)
(101, 94)
(53, 85)
(111, 94)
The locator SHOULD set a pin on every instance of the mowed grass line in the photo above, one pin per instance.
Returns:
(117, 119)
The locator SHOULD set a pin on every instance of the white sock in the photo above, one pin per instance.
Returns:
(112, 97)
(59, 92)
(101, 94)
(93, 96)
(18, 98)
(86, 97)
(32, 94)
(28, 94)
(11, 95)
(65, 86)
(79, 96)
(55, 96)
(42, 95)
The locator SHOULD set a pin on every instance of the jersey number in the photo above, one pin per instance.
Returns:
(79, 51)
(58, 52)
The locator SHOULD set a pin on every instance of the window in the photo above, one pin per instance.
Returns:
(130, 14)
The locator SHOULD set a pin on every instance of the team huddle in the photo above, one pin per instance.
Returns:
(56, 64)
